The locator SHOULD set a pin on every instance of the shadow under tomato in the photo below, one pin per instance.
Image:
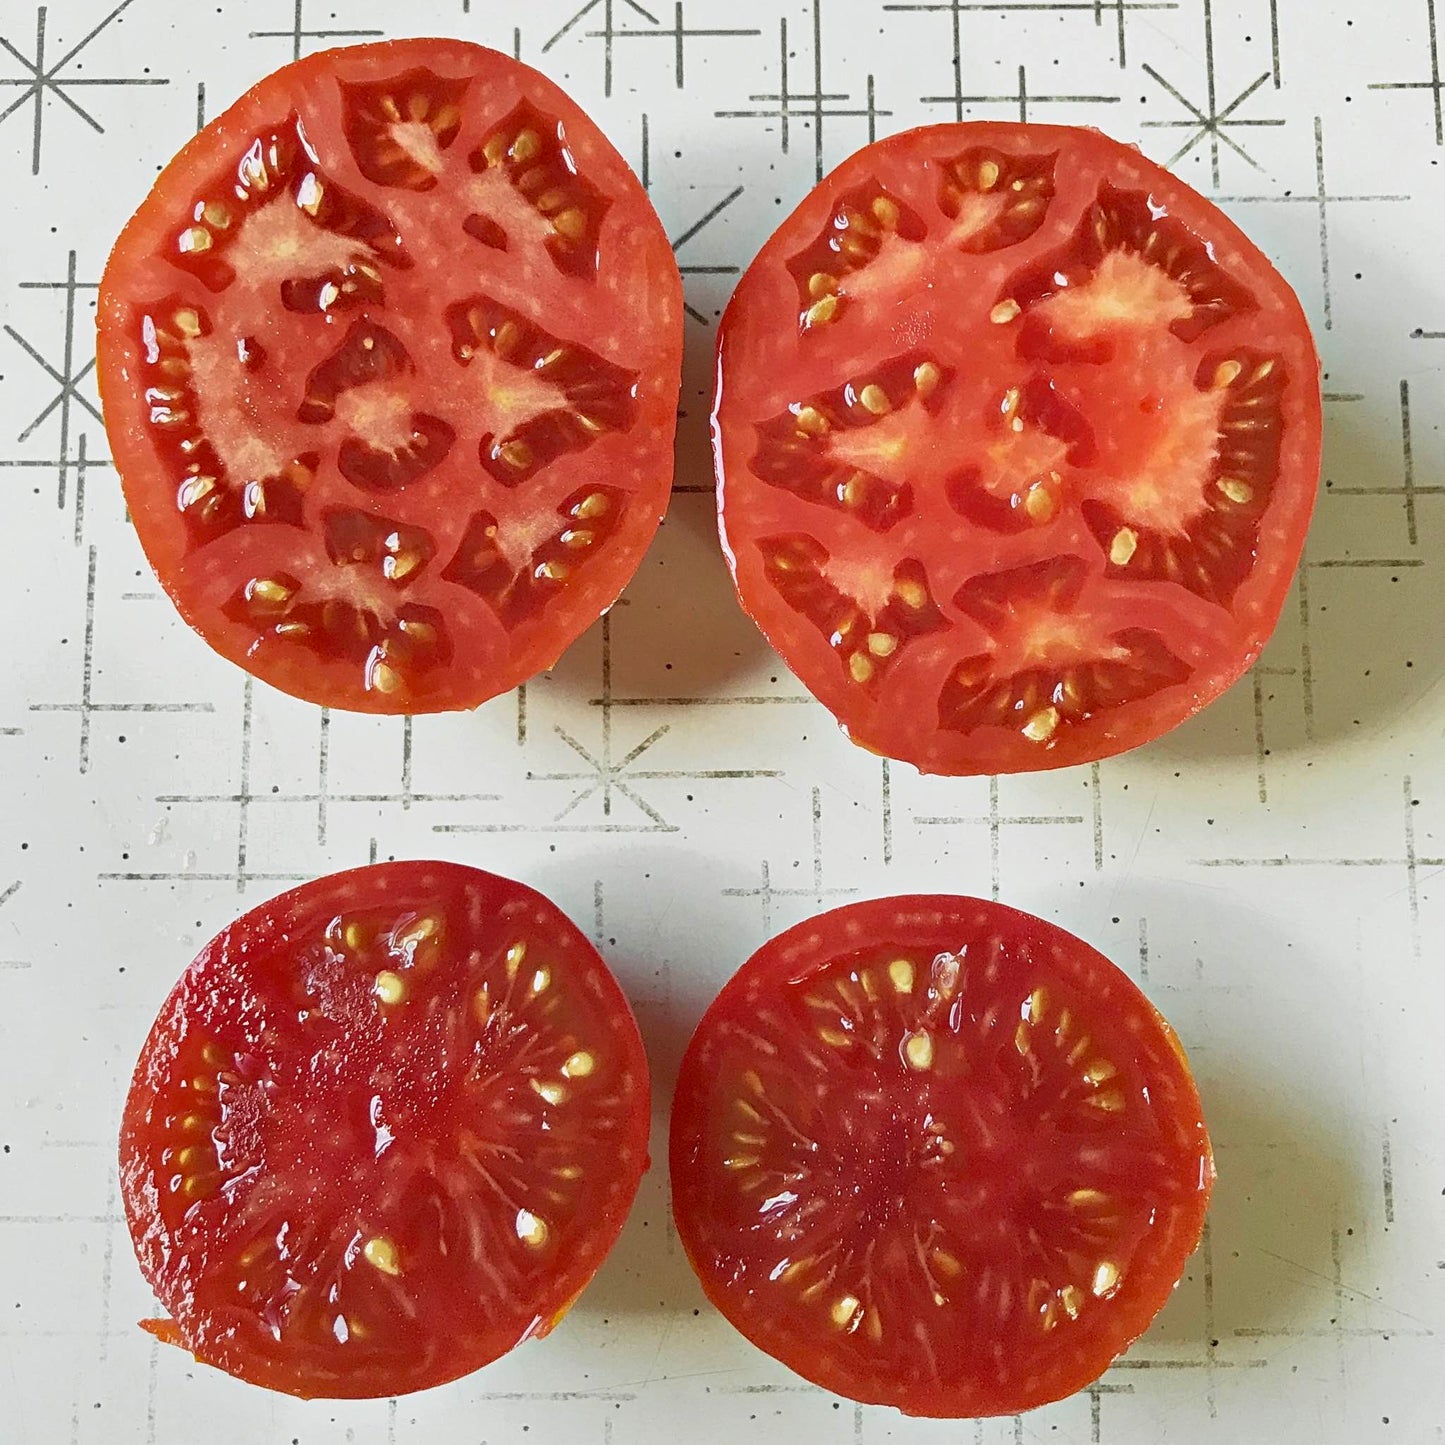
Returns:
(1288, 1206)
(666, 941)
(647, 1272)
(1292, 1236)
(677, 632)
(1360, 642)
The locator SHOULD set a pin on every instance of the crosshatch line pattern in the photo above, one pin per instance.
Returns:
(1270, 873)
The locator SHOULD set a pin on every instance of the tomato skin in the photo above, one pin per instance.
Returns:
(939, 310)
(630, 313)
(740, 1247)
(296, 1056)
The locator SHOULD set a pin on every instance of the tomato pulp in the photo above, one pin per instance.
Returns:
(385, 1128)
(1017, 440)
(935, 1153)
(390, 362)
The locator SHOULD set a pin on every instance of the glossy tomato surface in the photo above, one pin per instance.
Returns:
(390, 362)
(385, 1128)
(935, 1153)
(1017, 439)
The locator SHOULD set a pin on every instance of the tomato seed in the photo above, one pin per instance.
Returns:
(571, 223)
(515, 454)
(595, 504)
(918, 1051)
(531, 1228)
(926, 378)
(812, 422)
(380, 1253)
(1226, 374)
(1123, 547)
(874, 399)
(822, 311)
(1106, 1278)
(389, 987)
(910, 593)
(383, 677)
(886, 212)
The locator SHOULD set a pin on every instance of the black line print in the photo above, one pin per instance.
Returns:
(786, 105)
(1100, 10)
(996, 822)
(1322, 200)
(1433, 85)
(299, 34)
(87, 708)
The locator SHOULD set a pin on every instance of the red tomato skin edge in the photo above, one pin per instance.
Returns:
(176, 183)
(267, 920)
(795, 951)
(1313, 417)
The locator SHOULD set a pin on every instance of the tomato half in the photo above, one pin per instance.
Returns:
(938, 1154)
(1017, 439)
(384, 1129)
(390, 361)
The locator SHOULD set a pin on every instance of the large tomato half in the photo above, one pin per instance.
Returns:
(385, 1128)
(938, 1154)
(1017, 439)
(390, 362)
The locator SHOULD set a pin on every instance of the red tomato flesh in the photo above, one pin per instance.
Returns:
(390, 361)
(1017, 439)
(385, 1128)
(935, 1153)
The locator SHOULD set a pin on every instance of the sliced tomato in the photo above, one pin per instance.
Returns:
(935, 1153)
(385, 1128)
(390, 361)
(1017, 439)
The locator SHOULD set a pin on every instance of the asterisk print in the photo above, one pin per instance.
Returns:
(68, 406)
(603, 778)
(43, 80)
(1211, 122)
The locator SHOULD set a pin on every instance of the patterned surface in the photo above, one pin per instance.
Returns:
(1271, 872)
